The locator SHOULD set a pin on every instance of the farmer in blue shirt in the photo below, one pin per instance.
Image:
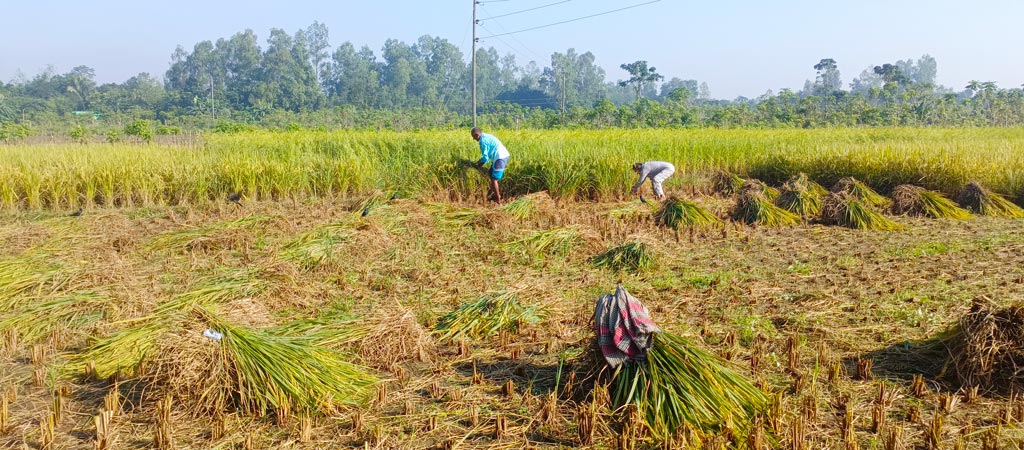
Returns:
(493, 151)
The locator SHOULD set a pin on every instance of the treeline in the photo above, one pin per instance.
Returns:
(298, 80)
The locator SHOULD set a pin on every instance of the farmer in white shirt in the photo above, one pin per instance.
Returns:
(657, 171)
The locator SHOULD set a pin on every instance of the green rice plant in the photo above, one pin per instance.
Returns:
(847, 210)
(679, 385)
(315, 248)
(916, 201)
(753, 207)
(40, 317)
(725, 183)
(556, 241)
(983, 202)
(801, 196)
(272, 371)
(861, 191)
(486, 316)
(634, 257)
(192, 236)
(676, 214)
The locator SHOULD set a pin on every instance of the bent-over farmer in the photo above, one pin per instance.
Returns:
(657, 171)
(494, 152)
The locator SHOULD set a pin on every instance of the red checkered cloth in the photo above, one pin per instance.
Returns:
(624, 327)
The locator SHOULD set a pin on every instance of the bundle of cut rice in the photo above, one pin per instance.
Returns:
(860, 191)
(983, 202)
(754, 207)
(801, 196)
(847, 210)
(916, 201)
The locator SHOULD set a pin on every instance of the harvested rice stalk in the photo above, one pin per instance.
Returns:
(847, 210)
(916, 201)
(861, 192)
(369, 204)
(680, 386)
(197, 235)
(801, 196)
(315, 248)
(983, 202)
(486, 317)
(633, 211)
(556, 241)
(457, 217)
(676, 213)
(74, 311)
(725, 183)
(754, 207)
(23, 278)
(272, 371)
(633, 257)
(527, 205)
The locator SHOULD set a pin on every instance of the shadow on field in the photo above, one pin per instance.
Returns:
(528, 377)
(902, 361)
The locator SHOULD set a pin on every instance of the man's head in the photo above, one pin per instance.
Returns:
(637, 167)
(476, 133)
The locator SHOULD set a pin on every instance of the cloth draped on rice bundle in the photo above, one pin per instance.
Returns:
(624, 327)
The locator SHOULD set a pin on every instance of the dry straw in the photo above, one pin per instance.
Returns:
(986, 346)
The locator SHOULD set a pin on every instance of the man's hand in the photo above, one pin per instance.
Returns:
(632, 191)
(480, 164)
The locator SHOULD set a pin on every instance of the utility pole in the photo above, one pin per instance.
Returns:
(475, 2)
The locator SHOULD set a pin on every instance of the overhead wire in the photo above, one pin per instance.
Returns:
(571, 20)
(525, 10)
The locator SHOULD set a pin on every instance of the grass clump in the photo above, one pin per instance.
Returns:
(485, 317)
(801, 196)
(680, 385)
(676, 213)
(846, 209)
(916, 201)
(975, 198)
(754, 207)
(633, 257)
(860, 191)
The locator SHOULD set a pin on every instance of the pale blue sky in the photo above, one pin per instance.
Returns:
(740, 47)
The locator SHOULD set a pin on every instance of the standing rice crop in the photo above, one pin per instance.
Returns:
(916, 201)
(801, 196)
(679, 385)
(983, 202)
(754, 207)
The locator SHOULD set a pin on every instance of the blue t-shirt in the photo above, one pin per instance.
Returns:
(491, 149)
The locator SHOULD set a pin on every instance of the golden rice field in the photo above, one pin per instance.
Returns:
(582, 164)
(321, 311)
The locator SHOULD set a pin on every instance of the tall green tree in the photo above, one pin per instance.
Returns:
(640, 76)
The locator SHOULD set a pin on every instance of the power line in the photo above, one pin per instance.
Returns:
(526, 10)
(571, 20)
